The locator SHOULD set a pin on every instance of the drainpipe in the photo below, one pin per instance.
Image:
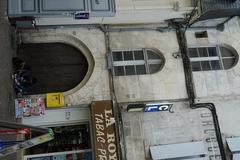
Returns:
(212, 108)
(189, 85)
(186, 61)
(117, 113)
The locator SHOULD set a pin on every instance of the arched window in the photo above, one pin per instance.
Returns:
(219, 57)
(136, 62)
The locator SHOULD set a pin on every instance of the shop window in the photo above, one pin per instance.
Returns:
(136, 62)
(212, 58)
(69, 141)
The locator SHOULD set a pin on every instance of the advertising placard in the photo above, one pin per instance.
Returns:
(103, 124)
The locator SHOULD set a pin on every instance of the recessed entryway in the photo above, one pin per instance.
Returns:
(58, 67)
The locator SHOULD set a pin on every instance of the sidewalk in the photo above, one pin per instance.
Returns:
(6, 89)
(6, 53)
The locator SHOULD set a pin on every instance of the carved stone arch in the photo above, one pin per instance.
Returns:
(67, 39)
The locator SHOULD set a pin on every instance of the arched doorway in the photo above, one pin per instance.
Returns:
(58, 67)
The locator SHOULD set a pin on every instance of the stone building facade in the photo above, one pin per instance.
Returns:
(119, 49)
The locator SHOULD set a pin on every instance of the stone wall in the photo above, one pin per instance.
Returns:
(166, 84)
(222, 82)
(95, 85)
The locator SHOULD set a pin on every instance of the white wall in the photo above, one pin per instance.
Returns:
(223, 82)
(221, 87)
(228, 110)
(169, 83)
(149, 4)
(129, 12)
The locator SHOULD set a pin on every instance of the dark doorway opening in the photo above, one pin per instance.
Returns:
(57, 67)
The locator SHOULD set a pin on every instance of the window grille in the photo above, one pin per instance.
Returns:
(212, 58)
(136, 62)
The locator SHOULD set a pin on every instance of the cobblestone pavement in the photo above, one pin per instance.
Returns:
(7, 111)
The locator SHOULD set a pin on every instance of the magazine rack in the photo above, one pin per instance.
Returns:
(46, 135)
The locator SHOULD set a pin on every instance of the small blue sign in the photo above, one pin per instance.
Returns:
(81, 15)
(158, 107)
(151, 109)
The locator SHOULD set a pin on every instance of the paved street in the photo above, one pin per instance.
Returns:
(6, 90)
(6, 52)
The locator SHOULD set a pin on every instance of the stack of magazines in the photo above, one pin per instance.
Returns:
(26, 107)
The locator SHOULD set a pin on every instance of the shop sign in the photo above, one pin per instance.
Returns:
(153, 107)
(103, 124)
(150, 107)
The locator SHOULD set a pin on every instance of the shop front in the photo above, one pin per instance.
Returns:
(72, 134)
(81, 133)
(70, 143)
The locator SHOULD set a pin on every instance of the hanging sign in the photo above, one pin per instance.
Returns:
(154, 107)
(103, 124)
(150, 107)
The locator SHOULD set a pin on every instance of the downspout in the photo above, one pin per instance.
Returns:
(190, 86)
(116, 110)
(212, 108)
(186, 61)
